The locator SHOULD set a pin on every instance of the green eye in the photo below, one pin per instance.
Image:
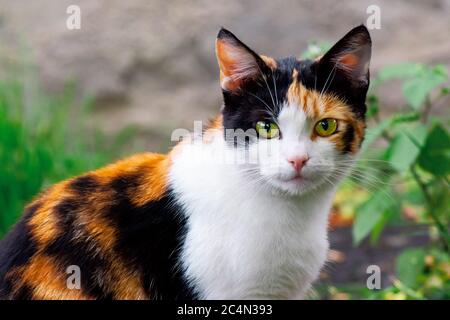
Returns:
(326, 127)
(267, 129)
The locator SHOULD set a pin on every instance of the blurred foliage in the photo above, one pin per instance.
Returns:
(43, 139)
(421, 274)
(415, 154)
(402, 177)
(416, 151)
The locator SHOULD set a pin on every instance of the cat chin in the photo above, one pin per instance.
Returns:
(293, 187)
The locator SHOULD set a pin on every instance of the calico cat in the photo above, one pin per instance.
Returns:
(187, 225)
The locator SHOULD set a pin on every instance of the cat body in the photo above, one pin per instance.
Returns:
(238, 212)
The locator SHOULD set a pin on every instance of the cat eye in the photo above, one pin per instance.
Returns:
(326, 127)
(267, 129)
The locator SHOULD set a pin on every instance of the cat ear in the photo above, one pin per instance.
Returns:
(350, 56)
(237, 62)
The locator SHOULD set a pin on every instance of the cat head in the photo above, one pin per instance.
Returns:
(305, 118)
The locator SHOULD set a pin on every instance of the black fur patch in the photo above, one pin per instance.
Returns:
(260, 99)
(349, 136)
(148, 240)
(84, 184)
(150, 237)
(73, 247)
(16, 249)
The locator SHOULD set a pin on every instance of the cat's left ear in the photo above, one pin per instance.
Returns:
(237, 62)
(350, 56)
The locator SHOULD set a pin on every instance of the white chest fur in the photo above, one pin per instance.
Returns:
(242, 241)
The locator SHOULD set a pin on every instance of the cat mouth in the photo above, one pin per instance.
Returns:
(294, 179)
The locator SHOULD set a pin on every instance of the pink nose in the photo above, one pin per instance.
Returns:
(298, 162)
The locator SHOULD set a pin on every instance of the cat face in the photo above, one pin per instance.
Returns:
(301, 121)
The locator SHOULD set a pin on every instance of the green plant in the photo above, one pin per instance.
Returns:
(416, 152)
(43, 139)
(413, 148)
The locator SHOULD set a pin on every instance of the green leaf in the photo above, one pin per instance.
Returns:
(416, 90)
(410, 264)
(378, 228)
(417, 134)
(419, 80)
(370, 214)
(440, 194)
(372, 106)
(402, 152)
(374, 133)
(405, 117)
(435, 155)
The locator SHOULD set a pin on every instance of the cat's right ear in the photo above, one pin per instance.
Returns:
(237, 62)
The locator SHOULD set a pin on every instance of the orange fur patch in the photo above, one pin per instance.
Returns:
(227, 64)
(215, 126)
(124, 282)
(152, 169)
(217, 123)
(43, 277)
(44, 227)
(98, 228)
(349, 60)
(318, 107)
(269, 61)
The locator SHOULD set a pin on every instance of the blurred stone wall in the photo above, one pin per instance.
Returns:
(152, 63)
